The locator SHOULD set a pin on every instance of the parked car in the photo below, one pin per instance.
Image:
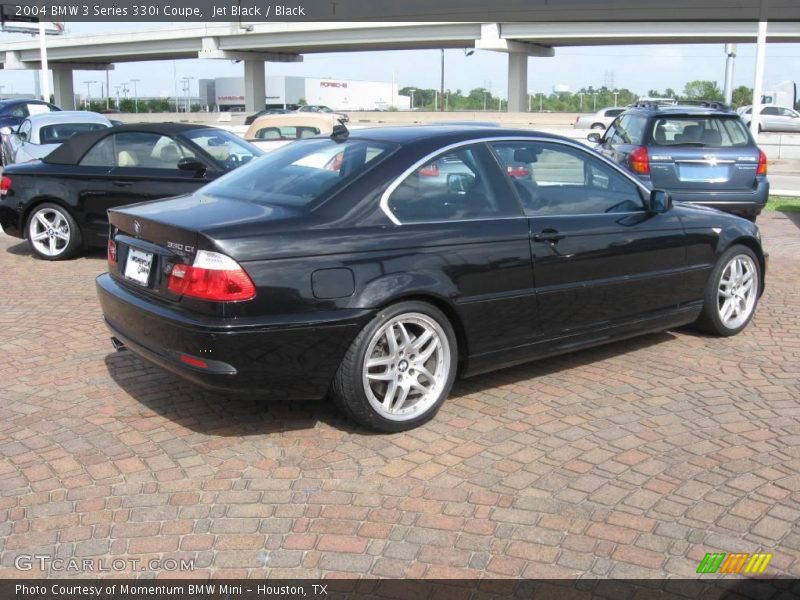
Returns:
(271, 132)
(267, 111)
(296, 281)
(39, 135)
(773, 118)
(599, 120)
(60, 203)
(701, 154)
(13, 111)
(319, 108)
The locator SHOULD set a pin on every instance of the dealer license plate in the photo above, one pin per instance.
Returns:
(137, 266)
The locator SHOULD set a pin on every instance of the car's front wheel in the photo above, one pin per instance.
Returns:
(399, 369)
(598, 126)
(732, 292)
(52, 232)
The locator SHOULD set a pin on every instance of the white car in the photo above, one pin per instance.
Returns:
(38, 135)
(599, 120)
(773, 118)
(320, 108)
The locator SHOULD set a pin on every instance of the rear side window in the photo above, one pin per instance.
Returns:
(702, 131)
(629, 130)
(56, 134)
(462, 184)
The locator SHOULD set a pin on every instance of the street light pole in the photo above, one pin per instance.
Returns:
(43, 55)
(135, 96)
(616, 93)
(88, 102)
(441, 84)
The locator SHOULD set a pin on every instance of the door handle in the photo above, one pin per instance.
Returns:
(548, 235)
(122, 183)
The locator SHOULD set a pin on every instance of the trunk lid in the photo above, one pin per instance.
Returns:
(152, 237)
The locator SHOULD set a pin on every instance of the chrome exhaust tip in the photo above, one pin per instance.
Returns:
(118, 345)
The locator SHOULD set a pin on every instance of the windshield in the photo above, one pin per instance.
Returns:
(301, 173)
(701, 131)
(227, 150)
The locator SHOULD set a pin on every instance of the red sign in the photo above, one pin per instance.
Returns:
(333, 84)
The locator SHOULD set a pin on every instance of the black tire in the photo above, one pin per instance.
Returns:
(348, 388)
(69, 227)
(710, 319)
(599, 126)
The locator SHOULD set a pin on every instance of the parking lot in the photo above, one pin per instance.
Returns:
(631, 460)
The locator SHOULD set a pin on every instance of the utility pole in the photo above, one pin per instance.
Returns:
(108, 91)
(541, 99)
(616, 93)
(485, 95)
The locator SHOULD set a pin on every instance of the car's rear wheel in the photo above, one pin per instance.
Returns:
(399, 369)
(732, 292)
(598, 126)
(52, 232)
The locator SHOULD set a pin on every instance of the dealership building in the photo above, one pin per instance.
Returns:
(228, 93)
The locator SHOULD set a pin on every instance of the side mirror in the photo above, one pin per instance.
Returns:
(459, 183)
(191, 164)
(660, 201)
(594, 137)
(22, 135)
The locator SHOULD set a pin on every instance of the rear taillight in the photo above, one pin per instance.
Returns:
(5, 185)
(432, 170)
(213, 277)
(639, 161)
(762, 163)
(112, 252)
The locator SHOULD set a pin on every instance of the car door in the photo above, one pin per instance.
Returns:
(770, 121)
(464, 222)
(129, 167)
(600, 258)
(790, 120)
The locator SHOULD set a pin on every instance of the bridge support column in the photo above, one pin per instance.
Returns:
(63, 89)
(517, 81)
(255, 87)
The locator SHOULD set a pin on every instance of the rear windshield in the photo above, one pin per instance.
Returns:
(701, 131)
(55, 134)
(301, 173)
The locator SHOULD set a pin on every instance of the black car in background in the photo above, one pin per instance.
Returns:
(267, 111)
(341, 266)
(702, 154)
(60, 204)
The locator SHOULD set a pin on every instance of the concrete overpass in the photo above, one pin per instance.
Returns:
(287, 42)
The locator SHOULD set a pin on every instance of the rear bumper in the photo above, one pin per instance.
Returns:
(284, 358)
(10, 221)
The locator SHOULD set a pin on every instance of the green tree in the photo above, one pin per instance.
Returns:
(702, 90)
(742, 96)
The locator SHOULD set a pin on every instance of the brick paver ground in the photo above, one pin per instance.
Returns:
(633, 459)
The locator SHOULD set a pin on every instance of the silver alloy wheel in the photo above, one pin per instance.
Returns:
(738, 291)
(49, 231)
(406, 366)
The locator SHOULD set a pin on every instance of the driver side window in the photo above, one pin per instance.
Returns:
(463, 184)
(556, 179)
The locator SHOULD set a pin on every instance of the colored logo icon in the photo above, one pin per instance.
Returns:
(720, 562)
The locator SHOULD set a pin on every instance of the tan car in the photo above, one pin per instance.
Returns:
(271, 132)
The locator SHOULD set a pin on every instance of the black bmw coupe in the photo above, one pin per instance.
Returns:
(376, 267)
(59, 204)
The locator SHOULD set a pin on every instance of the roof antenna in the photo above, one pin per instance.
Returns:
(340, 132)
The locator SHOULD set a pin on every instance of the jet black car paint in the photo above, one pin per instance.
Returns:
(322, 274)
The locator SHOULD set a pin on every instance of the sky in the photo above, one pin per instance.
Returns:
(638, 68)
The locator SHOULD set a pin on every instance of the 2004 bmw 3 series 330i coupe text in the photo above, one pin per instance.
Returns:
(375, 267)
